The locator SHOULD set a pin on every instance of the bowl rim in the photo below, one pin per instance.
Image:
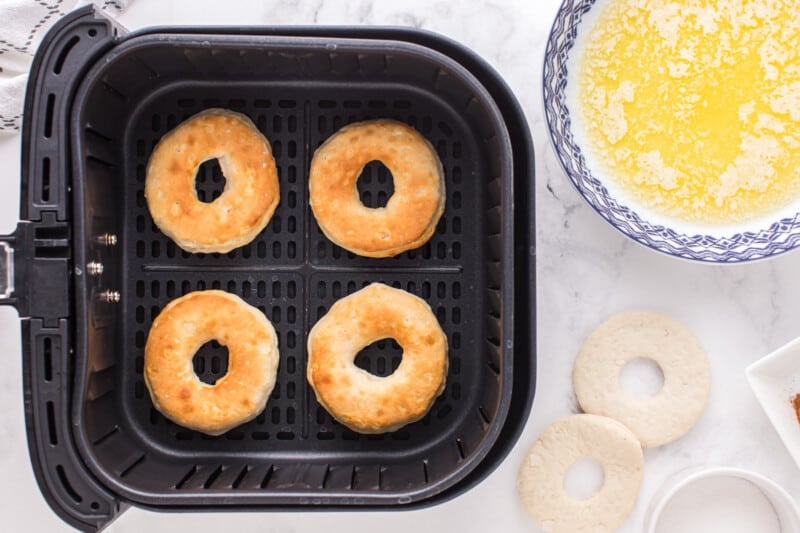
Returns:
(781, 501)
(702, 248)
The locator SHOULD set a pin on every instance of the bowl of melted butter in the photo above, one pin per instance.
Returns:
(679, 121)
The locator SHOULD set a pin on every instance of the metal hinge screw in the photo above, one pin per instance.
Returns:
(109, 296)
(108, 239)
(94, 268)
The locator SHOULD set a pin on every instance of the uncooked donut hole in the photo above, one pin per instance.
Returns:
(584, 478)
(641, 378)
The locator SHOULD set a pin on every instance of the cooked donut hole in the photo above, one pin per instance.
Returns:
(641, 378)
(209, 182)
(381, 358)
(211, 362)
(375, 185)
(584, 479)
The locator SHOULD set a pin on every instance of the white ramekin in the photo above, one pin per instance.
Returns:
(785, 507)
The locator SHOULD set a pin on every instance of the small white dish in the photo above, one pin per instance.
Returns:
(775, 380)
(699, 499)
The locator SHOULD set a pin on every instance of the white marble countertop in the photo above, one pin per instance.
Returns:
(586, 272)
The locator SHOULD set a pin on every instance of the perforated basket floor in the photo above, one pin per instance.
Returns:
(298, 93)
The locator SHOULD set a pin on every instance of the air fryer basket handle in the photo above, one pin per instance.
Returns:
(7, 282)
(37, 273)
(34, 270)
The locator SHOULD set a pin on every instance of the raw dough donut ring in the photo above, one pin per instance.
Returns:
(541, 478)
(687, 378)
(362, 401)
(251, 182)
(411, 214)
(181, 328)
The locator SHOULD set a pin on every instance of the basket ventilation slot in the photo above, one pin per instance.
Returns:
(45, 186)
(47, 351)
(62, 57)
(133, 465)
(240, 477)
(212, 478)
(48, 115)
(460, 445)
(186, 477)
(51, 423)
(267, 477)
(68, 488)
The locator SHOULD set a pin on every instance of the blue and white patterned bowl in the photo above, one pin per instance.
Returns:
(732, 244)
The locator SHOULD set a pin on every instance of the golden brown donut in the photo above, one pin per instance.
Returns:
(411, 214)
(181, 328)
(362, 401)
(251, 182)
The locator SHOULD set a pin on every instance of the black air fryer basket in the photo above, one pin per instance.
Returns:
(88, 270)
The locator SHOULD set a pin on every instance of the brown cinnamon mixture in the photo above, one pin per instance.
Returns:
(796, 404)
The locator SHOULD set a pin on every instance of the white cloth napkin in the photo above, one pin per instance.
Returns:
(24, 23)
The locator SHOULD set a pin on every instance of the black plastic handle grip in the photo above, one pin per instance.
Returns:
(7, 284)
(37, 271)
(34, 269)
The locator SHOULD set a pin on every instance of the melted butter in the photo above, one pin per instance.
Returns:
(694, 106)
